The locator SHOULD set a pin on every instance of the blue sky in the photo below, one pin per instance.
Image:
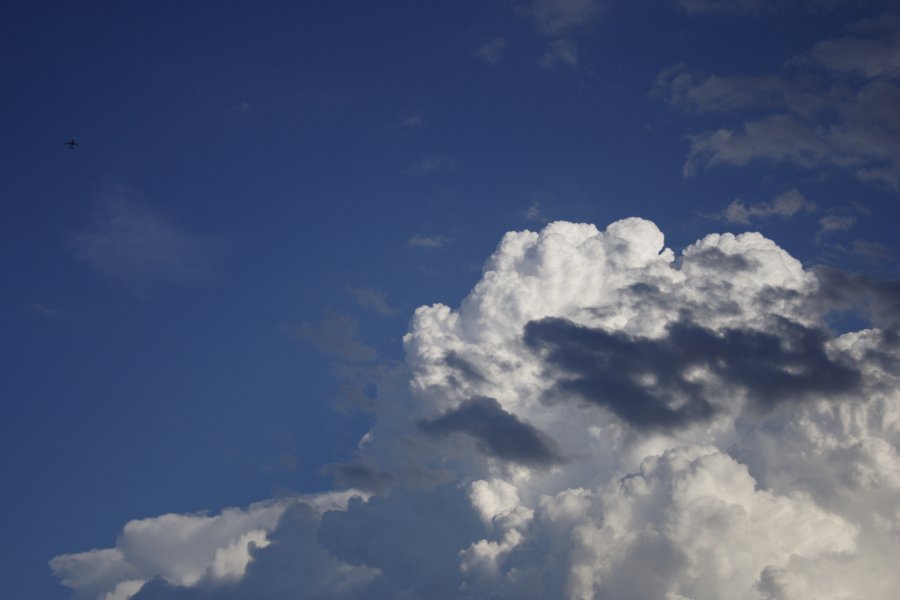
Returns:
(265, 192)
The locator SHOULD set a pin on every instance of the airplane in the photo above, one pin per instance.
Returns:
(71, 144)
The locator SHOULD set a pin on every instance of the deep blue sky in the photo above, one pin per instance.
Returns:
(248, 170)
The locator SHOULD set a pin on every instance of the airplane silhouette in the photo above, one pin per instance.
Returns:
(71, 144)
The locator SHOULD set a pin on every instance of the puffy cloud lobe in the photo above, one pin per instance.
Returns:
(182, 549)
(688, 524)
(723, 443)
(760, 354)
(620, 280)
(694, 517)
(96, 572)
(179, 552)
(292, 566)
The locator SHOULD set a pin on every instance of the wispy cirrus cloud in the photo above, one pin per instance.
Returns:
(419, 240)
(784, 205)
(560, 20)
(432, 164)
(858, 251)
(492, 50)
(533, 212)
(846, 120)
(561, 52)
(336, 334)
(44, 309)
(559, 17)
(727, 6)
(872, 49)
(412, 121)
(745, 7)
(872, 251)
(372, 299)
(132, 243)
(834, 223)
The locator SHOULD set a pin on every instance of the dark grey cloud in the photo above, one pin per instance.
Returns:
(361, 475)
(713, 258)
(499, 433)
(409, 468)
(412, 536)
(465, 368)
(647, 382)
(858, 252)
(878, 299)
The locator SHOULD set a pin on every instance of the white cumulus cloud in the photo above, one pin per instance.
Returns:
(599, 418)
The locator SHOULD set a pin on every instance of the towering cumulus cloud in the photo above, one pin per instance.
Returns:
(597, 419)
